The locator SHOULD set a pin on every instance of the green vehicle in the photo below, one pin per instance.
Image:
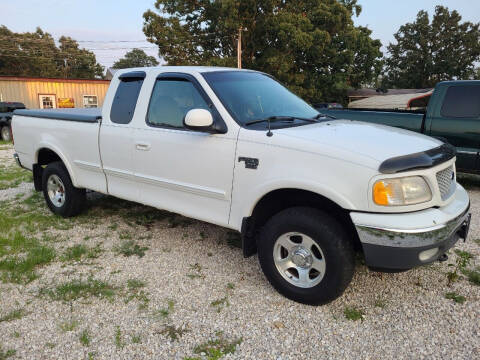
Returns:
(453, 115)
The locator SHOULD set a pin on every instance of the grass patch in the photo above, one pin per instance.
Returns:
(135, 291)
(12, 176)
(13, 315)
(353, 314)
(459, 299)
(119, 343)
(462, 261)
(130, 248)
(77, 252)
(220, 303)
(473, 276)
(77, 289)
(165, 311)
(85, 338)
(24, 255)
(195, 271)
(136, 339)
(217, 348)
(5, 354)
(30, 216)
(70, 325)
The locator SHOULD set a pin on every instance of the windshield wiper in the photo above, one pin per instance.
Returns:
(320, 115)
(271, 119)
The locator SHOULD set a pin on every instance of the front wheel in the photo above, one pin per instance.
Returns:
(6, 133)
(61, 196)
(306, 255)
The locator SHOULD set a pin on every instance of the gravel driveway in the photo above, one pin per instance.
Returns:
(127, 281)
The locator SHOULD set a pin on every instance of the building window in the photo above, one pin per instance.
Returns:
(90, 101)
(47, 101)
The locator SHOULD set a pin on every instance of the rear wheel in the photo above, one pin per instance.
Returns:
(306, 255)
(61, 196)
(6, 133)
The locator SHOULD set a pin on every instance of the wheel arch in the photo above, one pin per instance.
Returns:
(280, 199)
(46, 154)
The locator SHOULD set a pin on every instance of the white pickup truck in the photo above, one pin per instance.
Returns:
(237, 149)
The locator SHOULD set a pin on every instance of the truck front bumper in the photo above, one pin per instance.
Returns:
(395, 242)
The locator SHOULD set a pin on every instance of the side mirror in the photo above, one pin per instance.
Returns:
(198, 119)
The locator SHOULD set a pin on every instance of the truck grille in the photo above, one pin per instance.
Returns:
(446, 182)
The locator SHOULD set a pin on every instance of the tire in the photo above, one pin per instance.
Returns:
(61, 196)
(331, 254)
(6, 133)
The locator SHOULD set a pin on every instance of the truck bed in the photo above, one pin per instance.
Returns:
(410, 121)
(82, 115)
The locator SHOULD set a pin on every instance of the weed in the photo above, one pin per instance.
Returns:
(119, 343)
(477, 241)
(473, 276)
(463, 259)
(173, 332)
(165, 311)
(209, 254)
(136, 339)
(91, 355)
(77, 289)
(459, 299)
(354, 314)
(134, 286)
(68, 325)
(16, 334)
(129, 248)
(203, 236)
(220, 303)
(13, 315)
(113, 226)
(215, 349)
(230, 286)
(380, 303)
(75, 253)
(50, 345)
(85, 338)
(6, 354)
(195, 271)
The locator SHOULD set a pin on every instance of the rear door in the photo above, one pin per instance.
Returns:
(116, 137)
(456, 118)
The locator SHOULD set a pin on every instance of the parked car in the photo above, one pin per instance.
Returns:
(237, 149)
(453, 115)
(6, 113)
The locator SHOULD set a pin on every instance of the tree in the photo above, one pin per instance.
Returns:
(36, 54)
(428, 52)
(135, 58)
(310, 45)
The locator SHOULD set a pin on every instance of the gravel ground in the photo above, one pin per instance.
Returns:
(216, 294)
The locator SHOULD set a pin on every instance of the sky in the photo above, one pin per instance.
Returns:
(113, 27)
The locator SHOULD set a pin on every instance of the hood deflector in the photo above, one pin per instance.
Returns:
(421, 160)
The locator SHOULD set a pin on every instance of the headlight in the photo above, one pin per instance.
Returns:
(401, 191)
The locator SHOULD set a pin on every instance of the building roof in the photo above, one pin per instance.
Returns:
(44, 79)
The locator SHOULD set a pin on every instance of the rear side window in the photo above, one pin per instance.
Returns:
(125, 101)
(462, 102)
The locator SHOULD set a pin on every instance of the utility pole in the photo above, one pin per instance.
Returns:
(239, 48)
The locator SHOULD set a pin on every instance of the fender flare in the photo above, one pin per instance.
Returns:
(61, 155)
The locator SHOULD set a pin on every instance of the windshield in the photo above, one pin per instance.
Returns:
(250, 96)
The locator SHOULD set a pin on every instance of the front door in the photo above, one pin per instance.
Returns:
(47, 101)
(458, 122)
(181, 170)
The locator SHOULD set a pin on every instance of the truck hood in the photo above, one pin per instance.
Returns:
(373, 141)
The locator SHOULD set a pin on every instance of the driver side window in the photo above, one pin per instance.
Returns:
(171, 100)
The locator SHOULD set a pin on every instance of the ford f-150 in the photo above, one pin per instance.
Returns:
(237, 149)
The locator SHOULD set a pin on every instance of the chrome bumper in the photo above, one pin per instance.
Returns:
(412, 239)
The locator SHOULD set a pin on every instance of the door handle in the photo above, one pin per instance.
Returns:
(142, 146)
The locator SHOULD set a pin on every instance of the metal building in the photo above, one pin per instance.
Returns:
(47, 93)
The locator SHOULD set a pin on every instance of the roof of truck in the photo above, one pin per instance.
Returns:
(190, 69)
